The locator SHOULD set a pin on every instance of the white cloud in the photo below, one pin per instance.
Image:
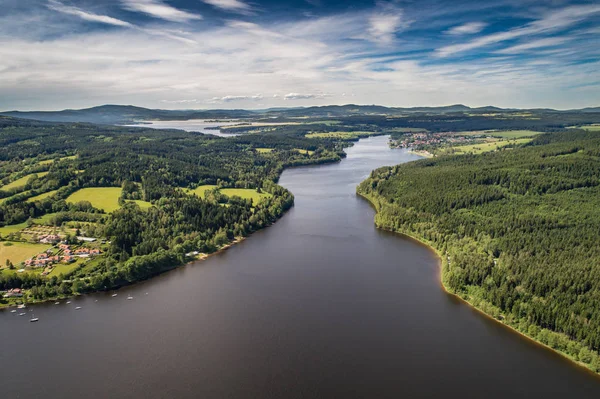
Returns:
(551, 21)
(534, 44)
(299, 96)
(88, 16)
(230, 5)
(179, 101)
(158, 9)
(230, 98)
(306, 62)
(467, 29)
(385, 22)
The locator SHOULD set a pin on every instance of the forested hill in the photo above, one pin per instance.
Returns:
(123, 114)
(148, 197)
(517, 231)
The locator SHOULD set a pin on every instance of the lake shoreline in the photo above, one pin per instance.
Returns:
(422, 241)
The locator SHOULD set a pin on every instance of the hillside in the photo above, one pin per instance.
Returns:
(123, 114)
(517, 231)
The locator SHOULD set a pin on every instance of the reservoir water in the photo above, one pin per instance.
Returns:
(319, 305)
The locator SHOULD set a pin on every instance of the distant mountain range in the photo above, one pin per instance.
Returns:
(122, 114)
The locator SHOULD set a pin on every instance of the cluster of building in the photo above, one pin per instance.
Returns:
(68, 255)
(419, 140)
(14, 292)
(49, 239)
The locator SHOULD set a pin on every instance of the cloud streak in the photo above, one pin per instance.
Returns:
(550, 22)
(159, 9)
(88, 16)
(467, 29)
(230, 5)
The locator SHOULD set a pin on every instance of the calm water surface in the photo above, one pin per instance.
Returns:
(192, 125)
(320, 305)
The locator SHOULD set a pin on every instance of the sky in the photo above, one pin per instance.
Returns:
(256, 54)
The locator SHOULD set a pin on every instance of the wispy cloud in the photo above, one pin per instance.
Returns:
(551, 21)
(193, 101)
(300, 96)
(306, 60)
(534, 44)
(159, 9)
(467, 29)
(230, 5)
(85, 15)
(385, 22)
(230, 98)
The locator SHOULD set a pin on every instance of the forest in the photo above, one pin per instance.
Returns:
(516, 230)
(158, 220)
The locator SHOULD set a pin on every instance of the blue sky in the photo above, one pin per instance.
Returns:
(57, 54)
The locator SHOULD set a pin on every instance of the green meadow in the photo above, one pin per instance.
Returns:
(41, 196)
(22, 181)
(106, 198)
(246, 193)
(199, 191)
(18, 252)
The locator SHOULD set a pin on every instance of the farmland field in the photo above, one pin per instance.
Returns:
(264, 150)
(42, 196)
(505, 134)
(12, 228)
(305, 152)
(142, 204)
(19, 251)
(246, 193)
(199, 191)
(106, 198)
(22, 181)
(64, 268)
(482, 147)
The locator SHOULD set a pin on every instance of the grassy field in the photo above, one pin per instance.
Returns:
(12, 228)
(64, 268)
(479, 148)
(505, 134)
(42, 196)
(142, 204)
(19, 251)
(515, 134)
(591, 128)
(44, 219)
(199, 191)
(106, 198)
(22, 181)
(305, 152)
(246, 193)
(264, 150)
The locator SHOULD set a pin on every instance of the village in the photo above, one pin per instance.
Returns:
(421, 140)
(61, 252)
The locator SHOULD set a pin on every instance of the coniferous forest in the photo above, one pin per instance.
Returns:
(517, 231)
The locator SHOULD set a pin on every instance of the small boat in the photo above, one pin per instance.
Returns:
(129, 298)
(33, 319)
(78, 307)
(114, 295)
(68, 302)
(22, 314)
(13, 311)
(21, 306)
(57, 303)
